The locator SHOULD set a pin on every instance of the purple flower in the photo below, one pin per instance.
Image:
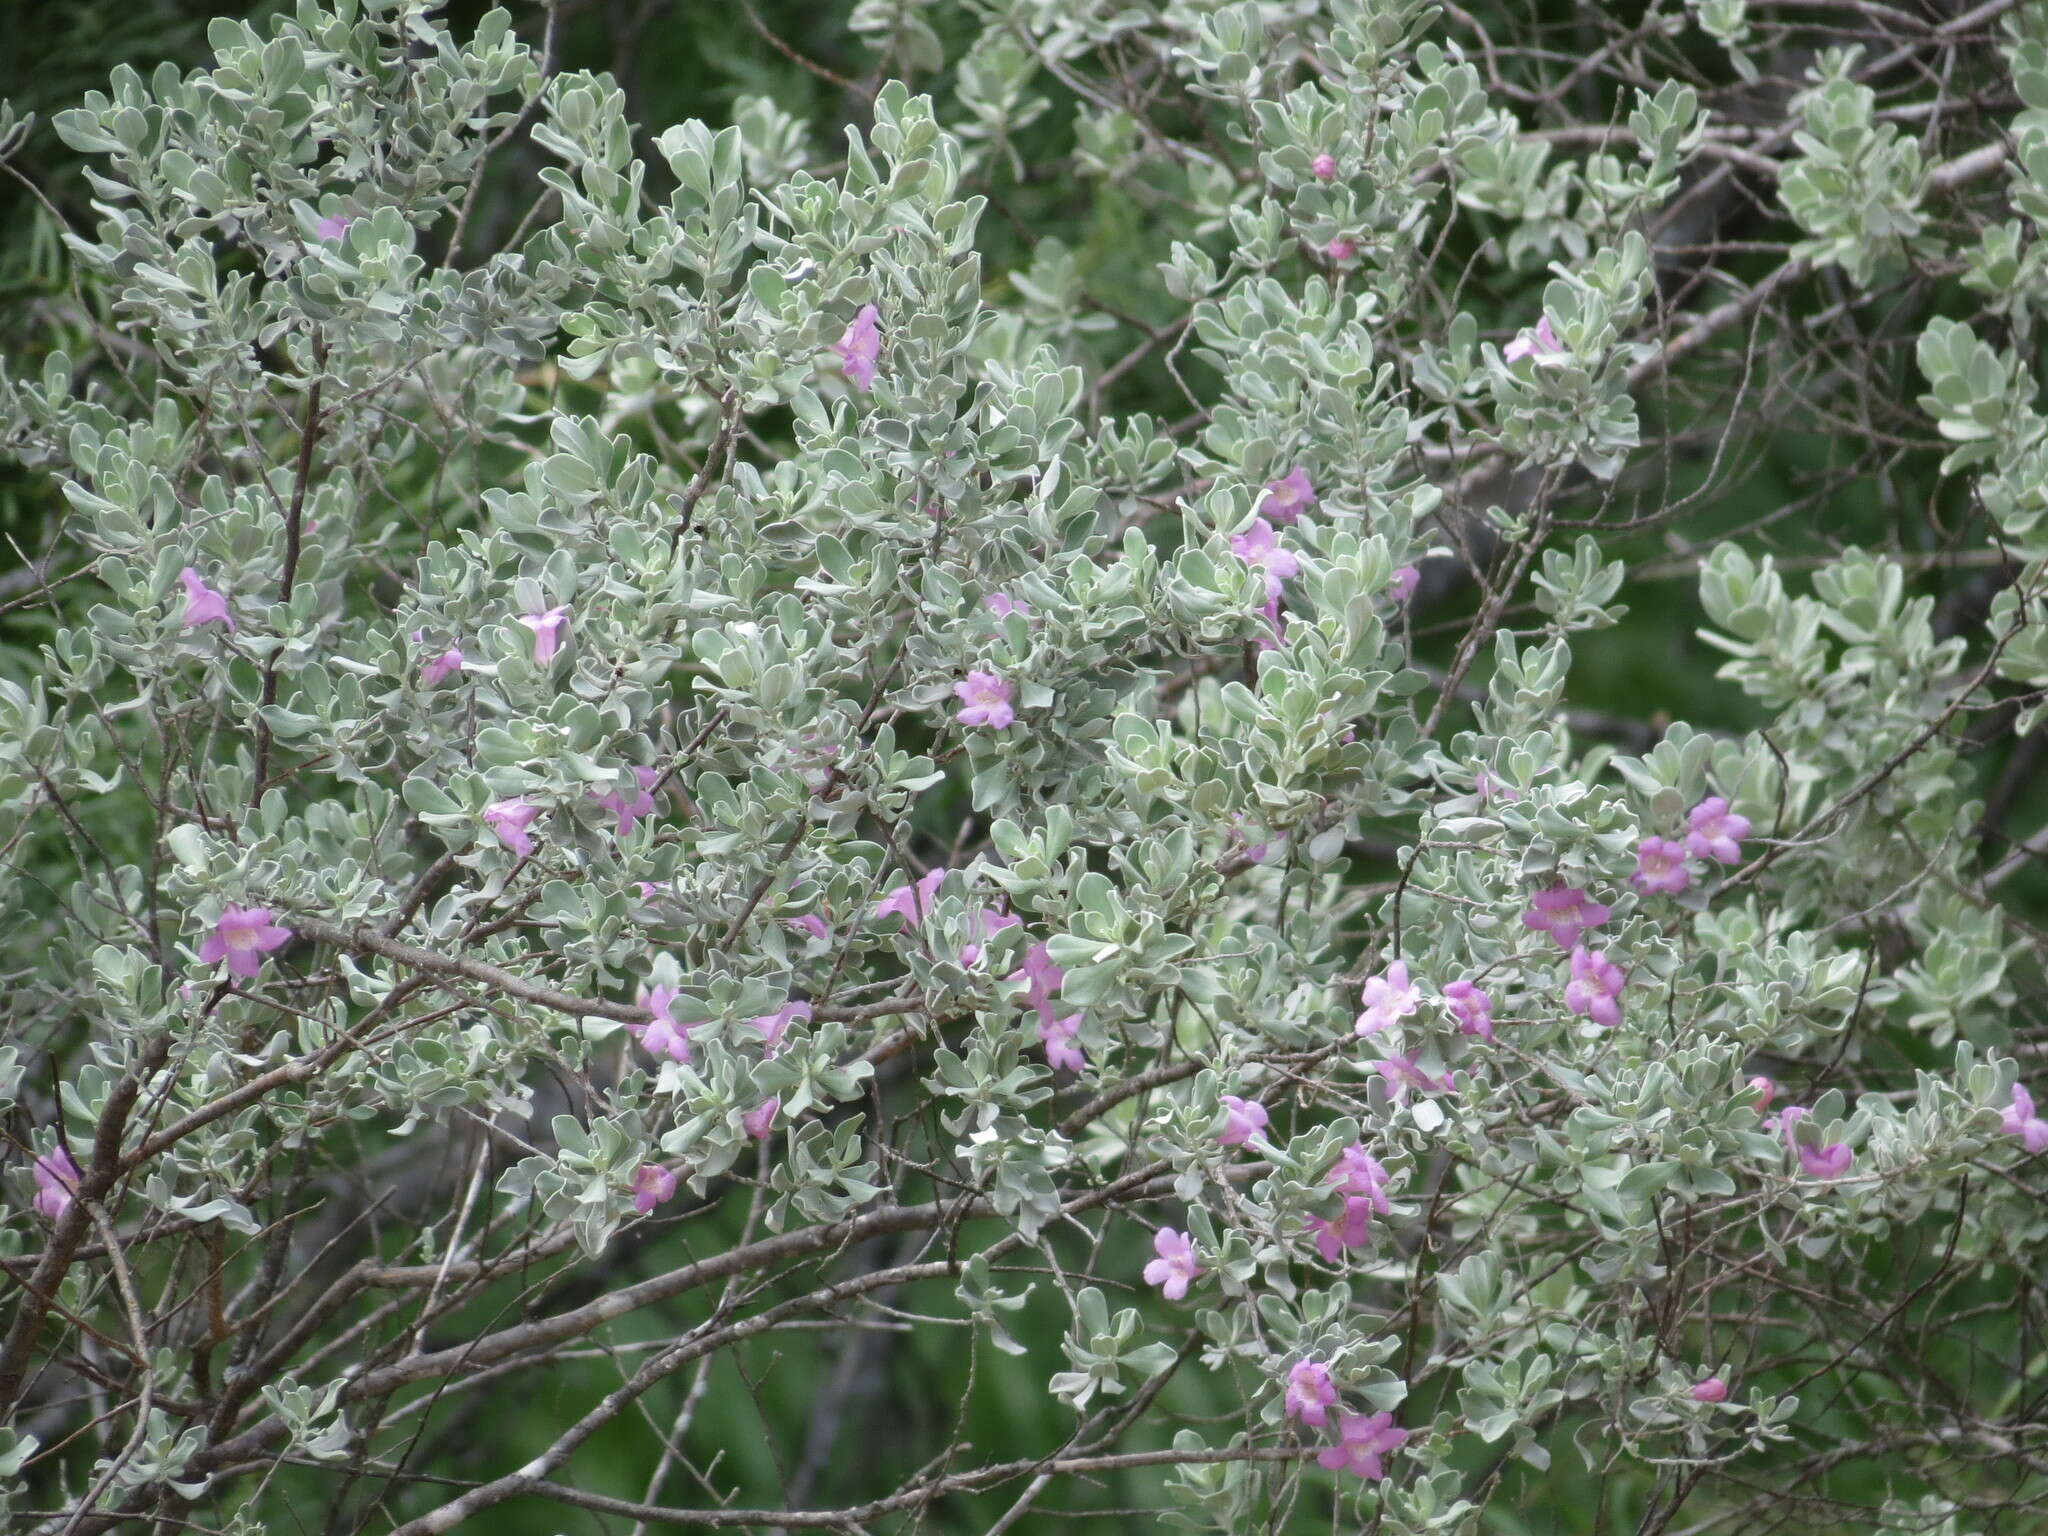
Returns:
(1828, 1162)
(1712, 1390)
(774, 1025)
(992, 923)
(1353, 1229)
(56, 1181)
(1401, 1074)
(1765, 1091)
(812, 924)
(1002, 605)
(2018, 1119)
(1388, 998)
(241, 937)
(1404, 582)
(1057, 1036)
(1259, 545)
(661, 1035)
(760, 1120)
(1358, 1173)
(331, 226)
(1324, 167)
(1361, 1441)
(1175, 1266)
(441, 668)
(913, 902)
(984, 700)
(1564, 912)
(1594, 985)
(203, 605)
(1242, 1120)
(1541, 344)
(1660, 866)
(652, 1185)
(860, 347)
(1288, 497)
(1716, 832)
(1310, 1392)
(510, 819)
(1782, 1122)
(1487, 787)
(1472, 1008)
(547, 632)
(1341, 249)
(630, 808)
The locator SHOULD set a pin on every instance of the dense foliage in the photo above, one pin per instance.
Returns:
(997, 763)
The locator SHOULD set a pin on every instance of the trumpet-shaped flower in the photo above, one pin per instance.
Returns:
(1712, 1390)
(1389, 998)
(242, 937)
(860, 347)
(56, 1178)
(1242, 1120)
(1058, 1036)
(984, 700)
(1564, 912)
(1362, 1440)
(1472, 1008)
(203, 605)
(652, 1186)
(1288, 497)
(1323, 168)
(2018, 1119)
(1401, 1074)
(1828, 1162)
(509, 819)
(439, 669)
(1310, 1393)
(1715, 832)
(1660, 866)
(1175, 1267)
(661, 1035)
(760, 1120)
(913, 902)
(1594, 987)
(1541, 343)
(547, 632)
(629, 808)
(1259, 545)
(1352, 1229)
(1358, 1173)
(773, 1026)
(1002, 605)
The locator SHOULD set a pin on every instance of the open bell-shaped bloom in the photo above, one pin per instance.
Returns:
(1564, 912)
(56, 1178)
(984, 700)
(1540, 343)
(991, 923)
(1715, 832)
(203, 605)
(1310, 1393)
(1472, 1008)
(1401, 586)
(2018, 1119)
(1062, 1054)
(860, 347)
(330, 226)
(774, 1025)
(1362, 1441)
(1242, 1120)
(1594, 987)
(913, 902)
(652, 1185)
(1389, 998)
(509, 819)
(630, 808)
(760, 1120)
(242, 936)
(1002, 605)
(547, 632)
(1352, 1229)
(661, 1036)
(1358, 1173)
(1259, 545)
(1175, 1267)
(1288, 497)
(1660, 866)
(1401, 1074)
(1828, 1162)
(438, 669)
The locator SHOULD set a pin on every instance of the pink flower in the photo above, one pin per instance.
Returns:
(1361, 1441)
(1175, 1266)
(1660, 866)
(1388, 998)
(1782, 1122)
(1594, 986)
(1288, 497)
(1564, 912)
(1828, 1162)
(812, 924)
(1002, 605)
(1341, 249)
(1716, 832)
(860, 347)
(1310, 1392)
(1259, 545)
(1765, 1091)
(1541, 343)
(510, 819)
(441, 668)
(774, 1025)
(1057, 1036)
(913, 902)
(661, 1035)
(331, 227)
(56, 1181)
(242, 936)
(1041, 978)
(984, 700)
(1472, 1008)
(1487, 787)
(1324, 166)
(547, 632)
(1403, 585)
(760, 1120)
(1358, 1173)
(1353, 1229)
(630, 808)
(1712, 1390)
(1401, 1074)
(2018, 1119)
(992, 923)
(652, 1185)
(203, 605)
(1242, 1120)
